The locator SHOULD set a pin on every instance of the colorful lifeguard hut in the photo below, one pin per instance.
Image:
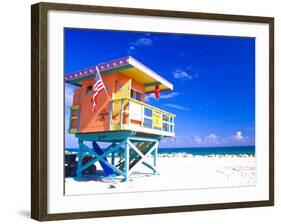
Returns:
(121, 117)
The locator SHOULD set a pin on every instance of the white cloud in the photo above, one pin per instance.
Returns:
(132, 48)
(178, 141)
(149, 96)
(144, 41)
(180, 74)
(211, 138)
(198, 139)
(191, 140)
(239, 137)
(165, 96)
(168, 96)
(175, 106)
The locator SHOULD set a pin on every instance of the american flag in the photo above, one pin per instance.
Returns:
(98, 87)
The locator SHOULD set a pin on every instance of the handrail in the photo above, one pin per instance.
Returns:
(146, 105)
(162, 124)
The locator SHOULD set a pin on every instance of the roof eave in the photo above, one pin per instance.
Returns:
(149, 72)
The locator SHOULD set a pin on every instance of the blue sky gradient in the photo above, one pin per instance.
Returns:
(213, 77)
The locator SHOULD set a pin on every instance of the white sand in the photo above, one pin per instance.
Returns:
(176, 172)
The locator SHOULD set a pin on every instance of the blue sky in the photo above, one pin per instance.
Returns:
(213, 77)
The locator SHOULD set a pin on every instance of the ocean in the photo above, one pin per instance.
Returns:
(203, 151)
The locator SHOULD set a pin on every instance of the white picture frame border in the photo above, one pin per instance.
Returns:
(58, 203)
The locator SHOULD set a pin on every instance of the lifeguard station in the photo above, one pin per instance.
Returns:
(121, 117)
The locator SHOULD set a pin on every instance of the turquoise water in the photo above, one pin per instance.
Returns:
(229, 150)
(232, 150)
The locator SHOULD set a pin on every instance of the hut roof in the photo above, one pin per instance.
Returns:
(127, 66)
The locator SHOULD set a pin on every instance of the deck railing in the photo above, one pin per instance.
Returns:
(131, 114)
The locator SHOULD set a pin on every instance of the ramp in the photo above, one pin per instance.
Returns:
(107, 170)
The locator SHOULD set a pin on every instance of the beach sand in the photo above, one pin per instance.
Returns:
(176, 171)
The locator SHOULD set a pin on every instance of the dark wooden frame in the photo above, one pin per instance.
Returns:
(39, 110)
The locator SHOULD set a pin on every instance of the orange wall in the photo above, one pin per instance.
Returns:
(94, 121)
(76, 98)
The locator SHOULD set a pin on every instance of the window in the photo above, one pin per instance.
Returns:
(136, 95)
(89, 89)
